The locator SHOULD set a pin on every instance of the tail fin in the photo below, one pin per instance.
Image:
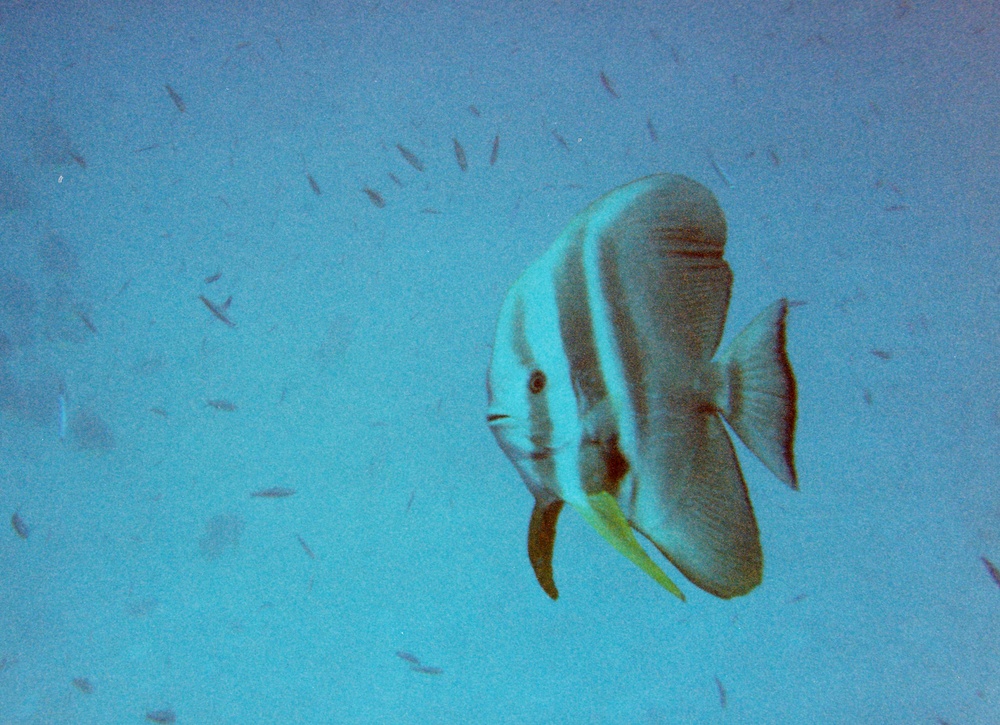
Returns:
(757, 395)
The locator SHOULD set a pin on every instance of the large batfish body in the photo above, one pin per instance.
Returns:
(604, 393)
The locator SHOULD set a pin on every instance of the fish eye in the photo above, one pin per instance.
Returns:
(536, 382)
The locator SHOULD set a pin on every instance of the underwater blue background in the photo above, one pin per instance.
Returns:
(855, 149)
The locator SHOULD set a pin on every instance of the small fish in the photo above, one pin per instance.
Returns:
(475, 111)
(496, 150)
(425, 670)
(160, 412)
(218, 312)
(606, 82)
(882, 354)
(652, 130)
(144, 149)
(403, 655)
(558, 137)
(222, 404)
(164, 717)
(213, 278)
(273, 492)
(896, 207)
(178, 101)
(430, 210)
(463, 163)
(722, 692)
(374, 197)
(410, 157)
(314, 185)
(775, 159)
(603, 393)
(83, 685)
(87, 322)
(992, 569)
(395, 179)
(305, 547)
(20, 528)
(80, 161)
(718, 169)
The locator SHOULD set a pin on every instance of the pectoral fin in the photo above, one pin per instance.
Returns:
(542, 541)
(607, 518)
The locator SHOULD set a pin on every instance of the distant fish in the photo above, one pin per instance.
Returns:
(475, 111)
(496, 150)
(83, 685)
(652, 130)
(213, 277)
(222, 404)
(20, 528)
(415, 665)
(410, 157)
(426, 670)
(273, 492)
(606, 82)
(87, 322)
(164, 717)
(178, 101)
(315, 187)
(992, 569)
(305, 547)
(80, 161)
(395, 179)
(722, 692)
(218, 312)
(718, 169)
(463, 163)
(603, 393)
(374, 197)
(561, 141)
(403, 655)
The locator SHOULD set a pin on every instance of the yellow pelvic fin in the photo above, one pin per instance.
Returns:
(607, 518)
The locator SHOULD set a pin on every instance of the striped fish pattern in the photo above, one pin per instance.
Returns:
(604, 394)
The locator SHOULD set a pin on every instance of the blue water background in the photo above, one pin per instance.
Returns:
(855, 149)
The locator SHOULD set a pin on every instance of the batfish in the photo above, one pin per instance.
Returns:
(606, 393)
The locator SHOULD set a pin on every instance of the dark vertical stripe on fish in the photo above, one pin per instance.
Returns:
(576, 328)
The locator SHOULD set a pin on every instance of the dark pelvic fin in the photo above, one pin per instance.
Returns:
(542, 542)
